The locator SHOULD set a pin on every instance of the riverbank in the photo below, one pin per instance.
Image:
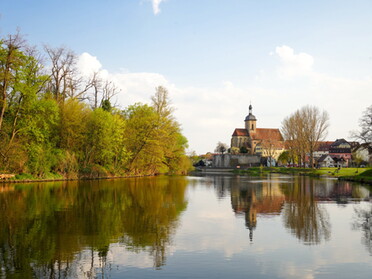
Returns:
(29, 179)
(362, 175)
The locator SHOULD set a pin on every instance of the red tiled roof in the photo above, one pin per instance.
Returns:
(240, 132)
(267, 134)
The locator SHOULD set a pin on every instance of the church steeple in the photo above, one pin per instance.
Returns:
(250, 121)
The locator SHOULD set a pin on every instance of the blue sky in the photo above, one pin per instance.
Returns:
(217, 56)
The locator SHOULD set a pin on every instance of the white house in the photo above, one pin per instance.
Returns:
(326, 161)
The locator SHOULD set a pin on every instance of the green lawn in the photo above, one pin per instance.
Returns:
(359, 174)
(341, 172)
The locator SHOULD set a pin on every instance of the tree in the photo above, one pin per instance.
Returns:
(235, 150)
(168, 130)
(303, 130)
(65, 79)
(161, 103)
(365, 124)
(316, 124)
(284, 157)
(11, 59)
(221, 147)
(22, 102)
(46, 124)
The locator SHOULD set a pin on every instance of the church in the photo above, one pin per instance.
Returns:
(259, 141)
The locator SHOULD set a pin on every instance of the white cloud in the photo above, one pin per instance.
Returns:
(88, 64)
(138, 87)
(156, 6)
(210, 114)
(293, 64)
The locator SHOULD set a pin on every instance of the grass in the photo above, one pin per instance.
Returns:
(47, 176)
(342, 172)
(362, 177)
(355, 174)
(256, 171)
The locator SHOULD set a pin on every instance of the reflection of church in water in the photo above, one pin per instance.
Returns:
(263, 199)
(296, 200)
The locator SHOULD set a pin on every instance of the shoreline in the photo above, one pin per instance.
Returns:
(344, 174)
(14, 181)
(255, 171)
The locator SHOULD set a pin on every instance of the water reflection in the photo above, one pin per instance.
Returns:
(299, 200)
(131, 228)
(251, 199)
(302, 214)
(45, 226)
(363, 221)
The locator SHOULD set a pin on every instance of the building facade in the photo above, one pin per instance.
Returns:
(259, 141)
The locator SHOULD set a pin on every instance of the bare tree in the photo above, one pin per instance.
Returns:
(96, 86)
(365, 123)
(109, 90)
(292, 133)
(65, 79)
(221, 147)
(160, 101)
(62, 72)
(316, 124)
(303, 130)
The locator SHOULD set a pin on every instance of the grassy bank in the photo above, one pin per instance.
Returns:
(363, 175)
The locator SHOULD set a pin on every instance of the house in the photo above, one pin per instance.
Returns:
(323, 149)
(325, 161)
(340, 151)
(266, 142)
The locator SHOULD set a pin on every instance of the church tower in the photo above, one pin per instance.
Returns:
(250, 121)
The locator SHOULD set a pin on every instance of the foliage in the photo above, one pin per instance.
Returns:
(153, 138)
(243, 149)
(285, 157)
(48, 123)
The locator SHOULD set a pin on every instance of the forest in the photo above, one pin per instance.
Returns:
(56, 123)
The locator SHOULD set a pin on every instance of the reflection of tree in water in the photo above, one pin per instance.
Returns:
(363, 221)
(305, 218)
(222, 184)
(45, 227)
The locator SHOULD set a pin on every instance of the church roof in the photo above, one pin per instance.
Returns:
(250, 117)
(267, 134)
(240, 132)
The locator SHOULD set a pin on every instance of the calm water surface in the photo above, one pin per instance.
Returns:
(187, 227)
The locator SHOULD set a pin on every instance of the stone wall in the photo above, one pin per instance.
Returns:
(233, 161)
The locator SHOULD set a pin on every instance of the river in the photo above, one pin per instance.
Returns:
(215, 226)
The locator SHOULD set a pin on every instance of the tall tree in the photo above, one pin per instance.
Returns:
(10, 60)
(365, 124)
(303, 130)
(316, 124)
(65, 79)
